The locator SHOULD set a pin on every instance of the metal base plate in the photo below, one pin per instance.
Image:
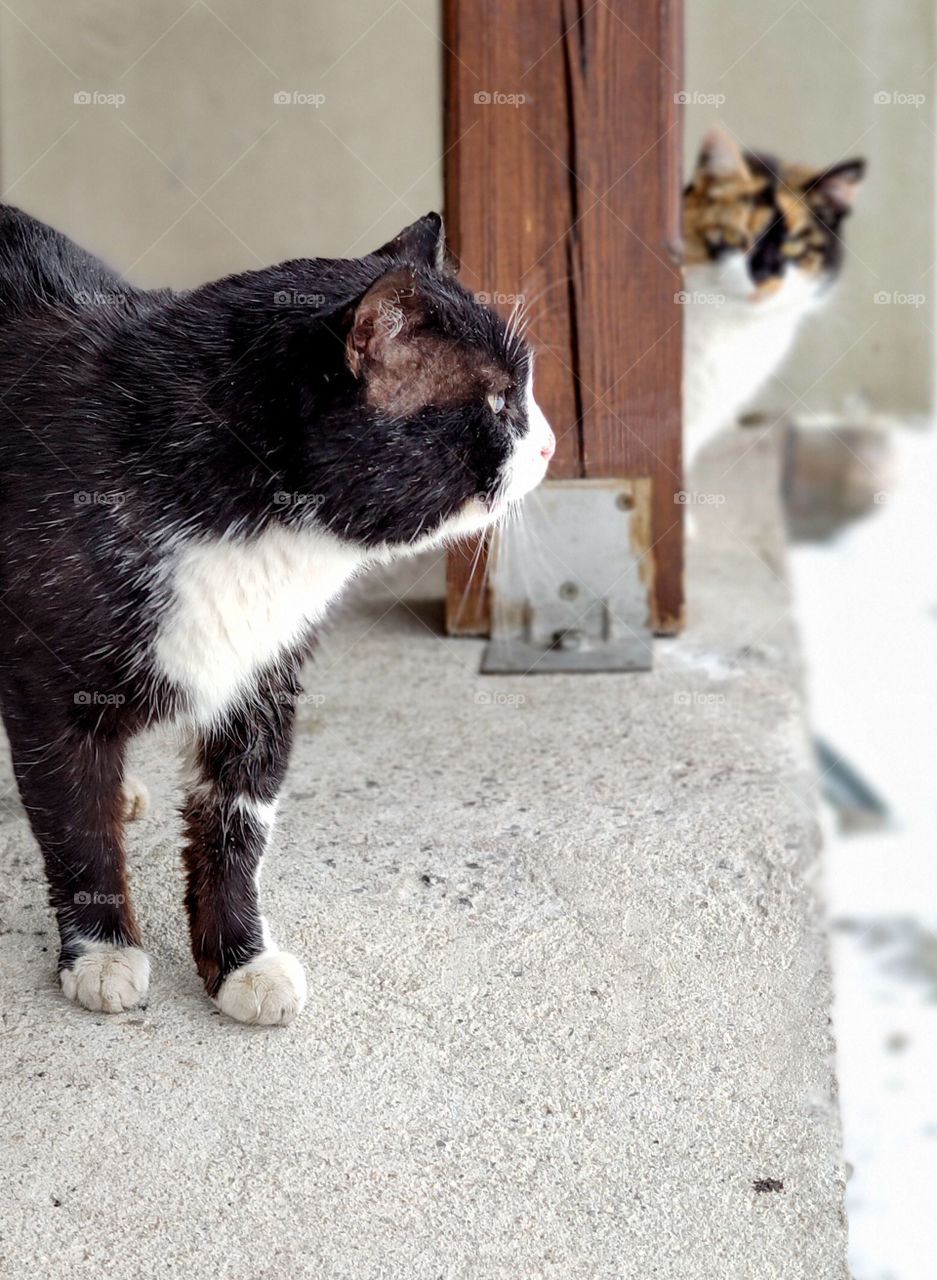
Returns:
(567, 590)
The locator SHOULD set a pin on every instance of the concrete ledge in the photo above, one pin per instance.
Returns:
(568, 993)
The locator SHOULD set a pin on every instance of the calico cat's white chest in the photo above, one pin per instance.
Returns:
(732, 345)
(237, 605)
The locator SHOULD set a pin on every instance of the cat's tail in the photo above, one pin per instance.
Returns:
(41, 268)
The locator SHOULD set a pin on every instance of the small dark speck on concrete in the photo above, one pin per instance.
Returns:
(369, 782)
(474, 866)
(768, 1184)
(426, 878)
(56, 1201)
(465, 902)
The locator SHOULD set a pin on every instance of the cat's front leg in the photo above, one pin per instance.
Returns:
(70, 784)
(239, 767)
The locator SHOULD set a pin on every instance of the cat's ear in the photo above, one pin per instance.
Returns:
(832, 191)
(721, 158)
(424, 241)
(383, 321)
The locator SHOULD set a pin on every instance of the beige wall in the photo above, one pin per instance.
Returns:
(801, 80)
(199, 172)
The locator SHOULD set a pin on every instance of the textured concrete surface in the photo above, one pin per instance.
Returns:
(568, 995)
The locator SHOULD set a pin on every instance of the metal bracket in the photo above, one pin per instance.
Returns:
(568, 581)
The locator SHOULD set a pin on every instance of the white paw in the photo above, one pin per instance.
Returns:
(269, 990)
(107, 978)
(136, 798)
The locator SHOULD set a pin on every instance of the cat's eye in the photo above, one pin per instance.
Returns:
(793, 248)
(495, 402)
(719, 240)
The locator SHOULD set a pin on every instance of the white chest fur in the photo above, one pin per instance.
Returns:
(237, 604)
(732, 344)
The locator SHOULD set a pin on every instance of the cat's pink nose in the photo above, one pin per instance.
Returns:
(549, 449)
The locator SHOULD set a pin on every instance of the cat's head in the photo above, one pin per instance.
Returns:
(763, 231)
(447, 433)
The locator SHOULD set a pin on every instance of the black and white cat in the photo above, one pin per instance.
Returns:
(187, 481)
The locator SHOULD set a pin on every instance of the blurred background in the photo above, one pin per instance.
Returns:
(182, 141)
(820, 83)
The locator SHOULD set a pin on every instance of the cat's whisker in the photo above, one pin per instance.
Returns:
(477, 558)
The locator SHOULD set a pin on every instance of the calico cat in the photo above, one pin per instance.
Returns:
(762, 248)
(187, 480)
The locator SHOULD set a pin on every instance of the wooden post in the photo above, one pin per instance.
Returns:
(563, 167)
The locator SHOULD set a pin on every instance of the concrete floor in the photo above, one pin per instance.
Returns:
(568, 995)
